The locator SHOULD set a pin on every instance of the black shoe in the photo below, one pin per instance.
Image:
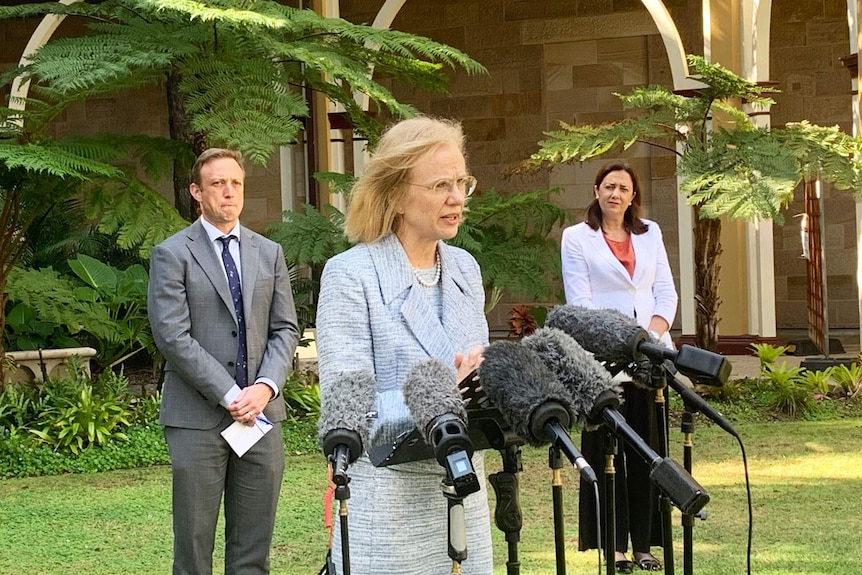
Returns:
(648, 563)
(624, 566)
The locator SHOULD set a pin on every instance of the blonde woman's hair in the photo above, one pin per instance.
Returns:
(375, 198)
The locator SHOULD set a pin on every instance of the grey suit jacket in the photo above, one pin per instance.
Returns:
(195, 327)
(372, 317)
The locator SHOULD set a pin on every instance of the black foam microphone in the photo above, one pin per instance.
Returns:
(582, 376)
(617, 338)
(437, 409)
(595, 392)
(530, 398)
(342, 428)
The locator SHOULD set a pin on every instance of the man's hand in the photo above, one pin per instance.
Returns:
(250, 403)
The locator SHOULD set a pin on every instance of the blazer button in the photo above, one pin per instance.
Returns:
(233, 333)
(230, 364)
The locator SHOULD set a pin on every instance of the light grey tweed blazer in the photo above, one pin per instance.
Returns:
(371, 316)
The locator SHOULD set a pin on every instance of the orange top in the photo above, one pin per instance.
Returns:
(624, 253)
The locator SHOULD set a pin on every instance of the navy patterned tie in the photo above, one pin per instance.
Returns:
(236, 296)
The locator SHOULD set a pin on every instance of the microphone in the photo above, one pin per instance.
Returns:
(582, 376)
(617, 338)
(342, 428)
(531, 400)
(598, 395)
(696, 403)
(437, 409)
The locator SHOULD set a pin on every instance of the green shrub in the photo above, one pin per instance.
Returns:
(22, 455)
(97, 304)
(787, 392)
(848, 378)
(302, 394)
(145, 408)
(768, 354)
(74, 412)
(817, 380)
(732, 390)
(19, 405)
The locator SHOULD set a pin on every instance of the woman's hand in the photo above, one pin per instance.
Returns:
(465, 363)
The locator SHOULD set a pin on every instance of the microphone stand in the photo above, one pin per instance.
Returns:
(342, 494)
(659, 381)
(610, 505)
(457, 526)
(507, 509)
(687, 429)
(555, 462)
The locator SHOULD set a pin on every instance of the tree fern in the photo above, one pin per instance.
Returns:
(253, 51)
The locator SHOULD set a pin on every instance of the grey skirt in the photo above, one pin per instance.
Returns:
(397, 521)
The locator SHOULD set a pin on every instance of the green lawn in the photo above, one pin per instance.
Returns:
(806, 479)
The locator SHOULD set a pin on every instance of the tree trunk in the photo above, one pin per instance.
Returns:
(180, 128)
(707, 250)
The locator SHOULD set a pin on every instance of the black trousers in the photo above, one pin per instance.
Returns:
(636, 498)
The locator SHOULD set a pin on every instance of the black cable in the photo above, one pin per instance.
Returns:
(750, 511)
(598, 523)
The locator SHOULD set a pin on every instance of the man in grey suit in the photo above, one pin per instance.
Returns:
(228, 338)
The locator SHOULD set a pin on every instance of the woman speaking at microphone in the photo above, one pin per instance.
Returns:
(616, 259)
(402, 296)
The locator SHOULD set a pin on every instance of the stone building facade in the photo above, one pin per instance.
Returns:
(563, 60)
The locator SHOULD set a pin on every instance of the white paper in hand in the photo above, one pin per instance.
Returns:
(242, 437)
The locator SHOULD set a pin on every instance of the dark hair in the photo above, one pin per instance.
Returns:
(632, 222)
(211, 154)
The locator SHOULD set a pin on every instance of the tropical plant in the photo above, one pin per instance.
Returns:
(848, 378)
(818, 380)
(234, 70)
(728, 165)
(732, 390)
(768, 353)
(76, 412)
(19, 405)
(785, 391)
(107, 304)
(25, 330)
(302, 394)
(521, 321)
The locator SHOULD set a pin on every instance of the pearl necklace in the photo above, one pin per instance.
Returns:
(439, 271)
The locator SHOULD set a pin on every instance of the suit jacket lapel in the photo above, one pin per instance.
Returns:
(396, 276)
(204, 255)
(249, 253)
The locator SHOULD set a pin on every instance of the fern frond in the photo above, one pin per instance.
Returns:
(138, 216)
(308, 237)
(75, 161)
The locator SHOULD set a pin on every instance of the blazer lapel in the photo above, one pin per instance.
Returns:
(641, 249)
(457, 300)
(602, 248)
(396, 276)
(204, 255)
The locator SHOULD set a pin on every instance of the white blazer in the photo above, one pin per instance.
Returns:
(594, 278)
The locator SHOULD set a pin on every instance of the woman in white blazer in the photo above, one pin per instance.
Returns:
(401, 297)
(616, 259)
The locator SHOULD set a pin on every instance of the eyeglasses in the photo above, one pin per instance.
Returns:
(465, 184)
